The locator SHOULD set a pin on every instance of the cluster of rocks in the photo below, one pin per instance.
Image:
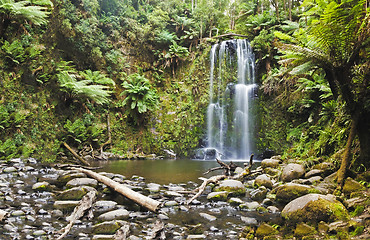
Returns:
(280, 202)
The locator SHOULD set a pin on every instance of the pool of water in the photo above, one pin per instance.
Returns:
(162, 171)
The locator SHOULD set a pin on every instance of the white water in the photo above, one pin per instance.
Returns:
(230, 123)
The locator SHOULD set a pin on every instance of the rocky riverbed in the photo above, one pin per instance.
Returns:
(282, 200)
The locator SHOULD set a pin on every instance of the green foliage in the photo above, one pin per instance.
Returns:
(29, 10)
(83, 88)
(139, 95)
(83, 131)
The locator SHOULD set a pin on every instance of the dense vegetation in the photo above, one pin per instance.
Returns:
(72, 68)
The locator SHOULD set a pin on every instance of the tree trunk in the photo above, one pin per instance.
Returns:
(363, 133)
(346, 158)
(140, 199)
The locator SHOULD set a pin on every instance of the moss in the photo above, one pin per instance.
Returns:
(358, 210)
(303, 229)
(357, 231)
(319, 210)
(265, 230)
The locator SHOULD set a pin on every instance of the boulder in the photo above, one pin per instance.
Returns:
(104, 206)
(315, 208)
(82, 182)
(290, 191)
(313, 173)
(218, 196)
(272, 163)
(250, 205)
(351, 186)
(263, 180)
(75, 193)
(235, 201)
(303, 229)
(249, 221)
(41, 186)
(65, 205)
(292, 171)
(326, 167)
(108, 227)
(265, 230)
(63, 179)
(119, 214)
(9, 170)
(208, 217)
(259, 194)
(234, 187)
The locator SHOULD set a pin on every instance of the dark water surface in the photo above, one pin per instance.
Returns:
(161, 171)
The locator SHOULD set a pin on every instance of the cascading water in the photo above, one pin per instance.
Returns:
(230, 123)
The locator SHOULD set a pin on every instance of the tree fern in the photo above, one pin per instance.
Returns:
(83, 88)
(27, 10)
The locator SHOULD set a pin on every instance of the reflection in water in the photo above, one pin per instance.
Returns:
(161, 171)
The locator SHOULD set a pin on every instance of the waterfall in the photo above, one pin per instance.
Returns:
(230, 123)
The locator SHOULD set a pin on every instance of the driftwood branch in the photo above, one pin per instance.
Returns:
(76, 155)
(206, 181)
(140, 199)
(85, 204)
(122, 233)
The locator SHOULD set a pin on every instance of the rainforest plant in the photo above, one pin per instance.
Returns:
(140, 97)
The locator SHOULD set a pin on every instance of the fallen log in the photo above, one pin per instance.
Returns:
(140, 199)
(206, 181)
(76, 155)
(85, 204)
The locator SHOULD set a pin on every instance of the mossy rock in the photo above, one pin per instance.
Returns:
(75, 193)
(351, 186)
(63, 179)
(234, 187)
(218, 196)
(303, 229)
(108, 227)
(265, 230)
(42, 186)
(290, 191)
(314, 208)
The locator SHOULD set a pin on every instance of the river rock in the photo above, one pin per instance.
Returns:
(171, 203)
(326, 167)
(234, 187)
(290, 191)
(218, 196)
(250, 205)
(315, 208)
(18, 213)
(249, 221)
(313, 173)
(292, 171)
(103, 237)
(263, 180)
(75, 193)
(272, 171)
(104, 206)
(3, 214)
(208, 217)
(9, 170)
(259, 194)
(63, 179)
(82, 182)
(265, 230)
(153, 187)
(235, 201)
(351, 186)
(303, 229)
(65, 205)
(119, 214)
(41, 186)
(270, 163)
(108, 227)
